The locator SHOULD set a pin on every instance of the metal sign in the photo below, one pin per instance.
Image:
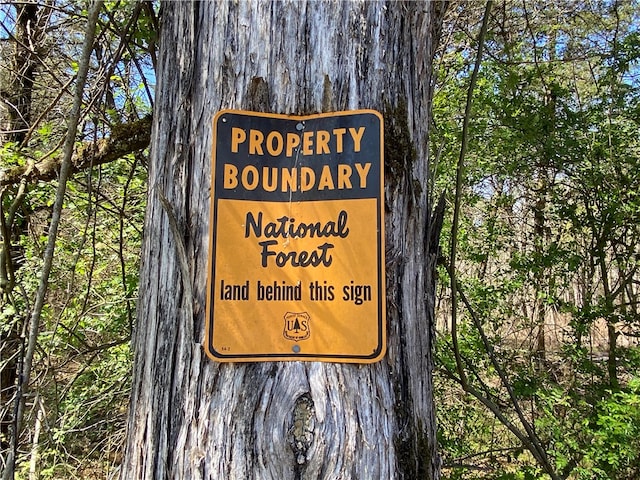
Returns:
(296, 256)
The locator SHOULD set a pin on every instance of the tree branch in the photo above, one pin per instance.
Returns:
(127, 138)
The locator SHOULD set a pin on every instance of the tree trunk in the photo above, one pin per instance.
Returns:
(192, 418)
(18, 95)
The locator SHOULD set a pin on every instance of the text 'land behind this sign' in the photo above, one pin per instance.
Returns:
(296, 263)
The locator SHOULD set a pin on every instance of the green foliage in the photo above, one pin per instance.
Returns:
(548, 245)
(615, 428)
(10, 155)
(84, 359)
(79, 385)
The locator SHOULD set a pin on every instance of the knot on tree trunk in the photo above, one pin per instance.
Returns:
(301, 431)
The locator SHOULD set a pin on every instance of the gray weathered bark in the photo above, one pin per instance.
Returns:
(192, 418)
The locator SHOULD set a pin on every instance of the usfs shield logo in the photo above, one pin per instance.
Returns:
(297, 326)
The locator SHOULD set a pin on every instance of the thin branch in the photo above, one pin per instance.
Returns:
(121, 219)
(497, 411)
(484, 453)
(46, 111)
(458, 194)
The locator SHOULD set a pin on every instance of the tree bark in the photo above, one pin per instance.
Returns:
(191, 418)
(18, 97)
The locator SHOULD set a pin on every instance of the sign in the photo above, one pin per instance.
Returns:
(296, 262)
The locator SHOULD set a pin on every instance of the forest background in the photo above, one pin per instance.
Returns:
(535, 149)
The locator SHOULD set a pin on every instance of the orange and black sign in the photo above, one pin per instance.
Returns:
(296, 264)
